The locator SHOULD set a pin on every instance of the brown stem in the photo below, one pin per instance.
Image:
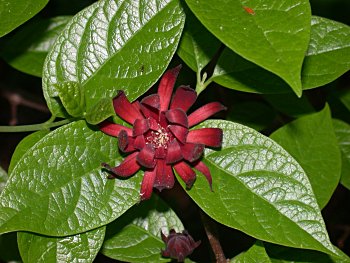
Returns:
(211, 231)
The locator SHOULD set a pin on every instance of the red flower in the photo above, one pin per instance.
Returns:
(160, 138)
(178, 246)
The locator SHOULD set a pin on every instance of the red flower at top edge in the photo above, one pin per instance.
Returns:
(160, 138)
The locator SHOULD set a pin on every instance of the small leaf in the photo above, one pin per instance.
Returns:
(100, 111)
(342, 132)
(72, 97)
(78, 248)
(27, 49)
(255, 254)
(312, 142)
(114, 45)
(259, 189)
(328, 56)
(58, 187)
(15, 13)
(276, 37)
(135, 236)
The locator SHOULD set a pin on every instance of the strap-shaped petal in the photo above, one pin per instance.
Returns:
(113, 129)
(174, 152)
(200, 166)
(146, 156)
(165, 176)
(192, 151)
(204, 113)
(179, 132)
(125, 109)
(139, 142)
(125, 142)
(127, 168)
(177, 116)
(186, 173)
(141, 126)
(147, 184)
(208, 136)
(184, 98)
(166, 87)
(152, 101)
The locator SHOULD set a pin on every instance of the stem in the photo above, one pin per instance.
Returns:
(211, 231)
(34, 127)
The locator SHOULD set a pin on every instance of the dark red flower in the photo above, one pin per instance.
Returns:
(160, 138)
(178, 245)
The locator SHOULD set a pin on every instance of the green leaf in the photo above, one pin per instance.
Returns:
(58, 187)
(15, 13)
(344, 97)
(3, 178)
(100, 111)
(259, 189)
(275, 37)
(78, 248)
(328, 56)
(255, 254)
(114, 45)
(342, 132)
(27, 49)
(312, 142)
(72, 97)
(135, 237)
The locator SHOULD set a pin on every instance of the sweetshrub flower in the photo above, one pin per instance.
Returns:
(160, 137)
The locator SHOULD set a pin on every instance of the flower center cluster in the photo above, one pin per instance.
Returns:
(159, 138)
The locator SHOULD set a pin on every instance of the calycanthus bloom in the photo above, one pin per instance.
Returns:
(160, 138)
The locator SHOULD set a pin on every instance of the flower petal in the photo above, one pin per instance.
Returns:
(164, 177)
(174, 152)
(139, 142)
(179, 132)
(160, 153)
(147, 184)
(208, 136)
(146, 156)
(141, 126)
(204, 112)
(184, 98)
(166, 86)
(200, 166)
(127, 168)
(125, 142)
(192, 151)
(152, 101)
(177, 116)
(153, 124)
(125, 109)
(186, 173)
(113, 129)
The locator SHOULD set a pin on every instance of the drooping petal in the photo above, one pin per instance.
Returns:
(179, 132)
(147, 184)
(165, 176)
(177, 116)
(208, 136)
(153, 124)
(127, 168)
(192, 151)
(204, 112)
(125, 142)
(113, 129)
(149, 112)
(152, 101)
(139, 142)
(166, 86)
(184, 98)
(125, 109)
(141, 126)
(186, 173)
(146, 156)
(200, 166)
(174, 152)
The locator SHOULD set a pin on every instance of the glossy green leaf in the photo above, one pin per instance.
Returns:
(3, 178)
(72, 97)
(58, 187)
(78, 248)
(342, 132)
(260, 189)
(27, 49)
(15, 13)
(328, 56)
(275, 35)
(312, 142)
(135, 237)
(255, 254)
(197, 46)
(100, 111)
(114, 45)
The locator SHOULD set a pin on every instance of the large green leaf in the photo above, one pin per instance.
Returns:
(260, 189)
(312, 142)
(255, 254)
(328, 56)
(275, 36)
(135, 237)
(15, 13)
(114, 45)
(27, 49)
(342, 132)
(3, 178)
(78, 248)
(58, 187)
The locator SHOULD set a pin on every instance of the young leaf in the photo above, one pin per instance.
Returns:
(15, 13)
(342, 132)
(328, 56)
(274, 36)
(72, 97)
(114, 45)
(58, 187)
(255, 254)
(27, 49)
(259, 189)
(135, 236)
(78, 248)
(312, 142)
